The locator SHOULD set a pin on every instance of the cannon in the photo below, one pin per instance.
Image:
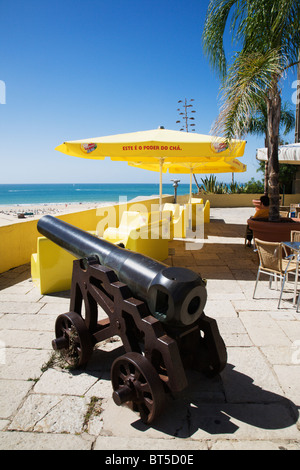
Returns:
(156, 310)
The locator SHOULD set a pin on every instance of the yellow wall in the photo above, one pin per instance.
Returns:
(238, 200)
(19, 240)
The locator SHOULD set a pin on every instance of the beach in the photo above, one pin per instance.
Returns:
(10, 214)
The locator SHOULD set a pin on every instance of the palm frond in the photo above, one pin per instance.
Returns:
(287, 118)
(256, 25)
(214, 28)
(245, 89)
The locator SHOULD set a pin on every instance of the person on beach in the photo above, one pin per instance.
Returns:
(261, 213)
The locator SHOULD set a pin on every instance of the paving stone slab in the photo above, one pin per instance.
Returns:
(10, 296)
(289, 378)
(236, 339)
(280, 355)
(224, 287)
(291, 328)
(244, 276)
(39, 441)
(33, 410)
(28, 322)
(64, 382)
(222, 273)
(230, 325)
(164, 444)
(3, 424)
(54, 308)
(58, 297)
(208, 421)
(102, 389)
(233, 332)
(263, 329)
(23, 364)
(20, 389)
(68, 416)
(184, 260)
(254, 445)
(219, 308)
(213, 294)
(248, 377)
(20, 307)
(27, 339)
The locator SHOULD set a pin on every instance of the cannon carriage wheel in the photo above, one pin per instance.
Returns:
(72, 339)
(136, 383)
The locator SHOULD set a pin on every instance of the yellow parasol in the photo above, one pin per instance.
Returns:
(207, 167)
(160, 146)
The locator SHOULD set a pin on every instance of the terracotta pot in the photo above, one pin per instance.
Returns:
(273, 231)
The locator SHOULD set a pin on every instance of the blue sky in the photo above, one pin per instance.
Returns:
(84, 68)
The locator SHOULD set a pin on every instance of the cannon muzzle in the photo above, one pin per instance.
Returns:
(174, 295)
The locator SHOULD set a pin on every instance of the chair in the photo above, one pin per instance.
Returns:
(194, 216)
(196, 200)
(207, 212)
(178, 228)
(145, 233)
(273, 263)
(295, 236)
(51, 267)
(197, 206)
(130, 220)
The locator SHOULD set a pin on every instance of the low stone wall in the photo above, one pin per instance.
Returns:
(19, 240)
(237, 200)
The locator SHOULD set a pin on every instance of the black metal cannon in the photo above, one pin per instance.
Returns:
(155, 309)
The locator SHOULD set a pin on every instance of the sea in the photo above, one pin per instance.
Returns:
(24, 194)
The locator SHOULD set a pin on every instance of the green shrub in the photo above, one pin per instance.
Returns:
(211, 185)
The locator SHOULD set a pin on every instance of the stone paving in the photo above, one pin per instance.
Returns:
(253, 404)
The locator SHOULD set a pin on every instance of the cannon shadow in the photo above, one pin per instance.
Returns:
(204, 407)
(207, 404)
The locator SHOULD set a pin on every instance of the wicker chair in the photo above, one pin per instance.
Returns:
(273, 263)
(295, 236)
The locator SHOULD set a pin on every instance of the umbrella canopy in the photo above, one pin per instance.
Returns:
(223, 165)
(289, 154)
(154, 144)
(159, 146)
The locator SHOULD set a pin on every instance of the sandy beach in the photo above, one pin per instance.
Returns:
(17, 213)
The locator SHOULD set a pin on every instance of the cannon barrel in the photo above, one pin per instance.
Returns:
(174, 295)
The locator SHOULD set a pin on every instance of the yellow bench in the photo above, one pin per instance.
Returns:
(197, 205)
(130, 220)
(144, 233)
(51, 267)
(178, 223)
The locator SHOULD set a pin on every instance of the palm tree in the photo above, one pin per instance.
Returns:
(258, 125)
(297, 126)
(268, 33)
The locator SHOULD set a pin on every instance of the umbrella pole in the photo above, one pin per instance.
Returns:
(190, 202)
(161, 161)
